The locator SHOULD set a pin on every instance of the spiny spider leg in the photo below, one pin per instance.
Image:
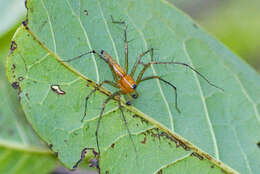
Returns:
(125, 122)
(100, 56)
(138, 60)
(101, 113)
(159, 78)
(176, 63)
(93, 91)
(125, 41)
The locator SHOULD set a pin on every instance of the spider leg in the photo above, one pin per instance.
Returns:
(183, 64)
(101, 113)
(168, 83)
(130, 99)
(93, 91)
(100, 56)
(125, 122)
(125, 41)
(138, 60)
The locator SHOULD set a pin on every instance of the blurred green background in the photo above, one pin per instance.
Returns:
(234, 22)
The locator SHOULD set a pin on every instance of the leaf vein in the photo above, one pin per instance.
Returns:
(242, 151)
(154, 72)
(51, 28)
(108, 31)
(87, 39)
(173, 162)
(204, 104)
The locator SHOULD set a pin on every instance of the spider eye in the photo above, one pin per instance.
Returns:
(134, 86)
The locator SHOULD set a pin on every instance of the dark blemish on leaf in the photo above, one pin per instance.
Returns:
(65, 141)
(87, 85)
(25, 24)
(142, 119)
(50, 146)
(13, 46)
(57, 89)
(15, 85)
(20, 79)
(86, 12)
(13, 67)
(56, 154)
(160, 171)
(144, 141)
(27, 96)
(258, 144)
(112, 145)
(89, 81)
(107, 172)
(83, 154)
(197, 155)
(195, 25)
(177, 142)
(94, 163)
(209, 157)
(75, 133)
(212, 166)
(25, 3)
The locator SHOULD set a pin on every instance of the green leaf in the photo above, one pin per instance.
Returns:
(21, 151)
(225, 125)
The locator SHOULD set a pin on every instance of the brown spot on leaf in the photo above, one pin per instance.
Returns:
(20, 78)
(13, 66)
(258, 144)
(50, 146)
(112, 145)
(83, 154)
(86, 12)
(144, 141)
(13, 46)
(56, 154)
(197, 155)
(25, 24)
(142, 119)
(94, 161)
(57, 89)
(16, 85)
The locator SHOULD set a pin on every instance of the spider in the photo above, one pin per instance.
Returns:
(124, 81)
